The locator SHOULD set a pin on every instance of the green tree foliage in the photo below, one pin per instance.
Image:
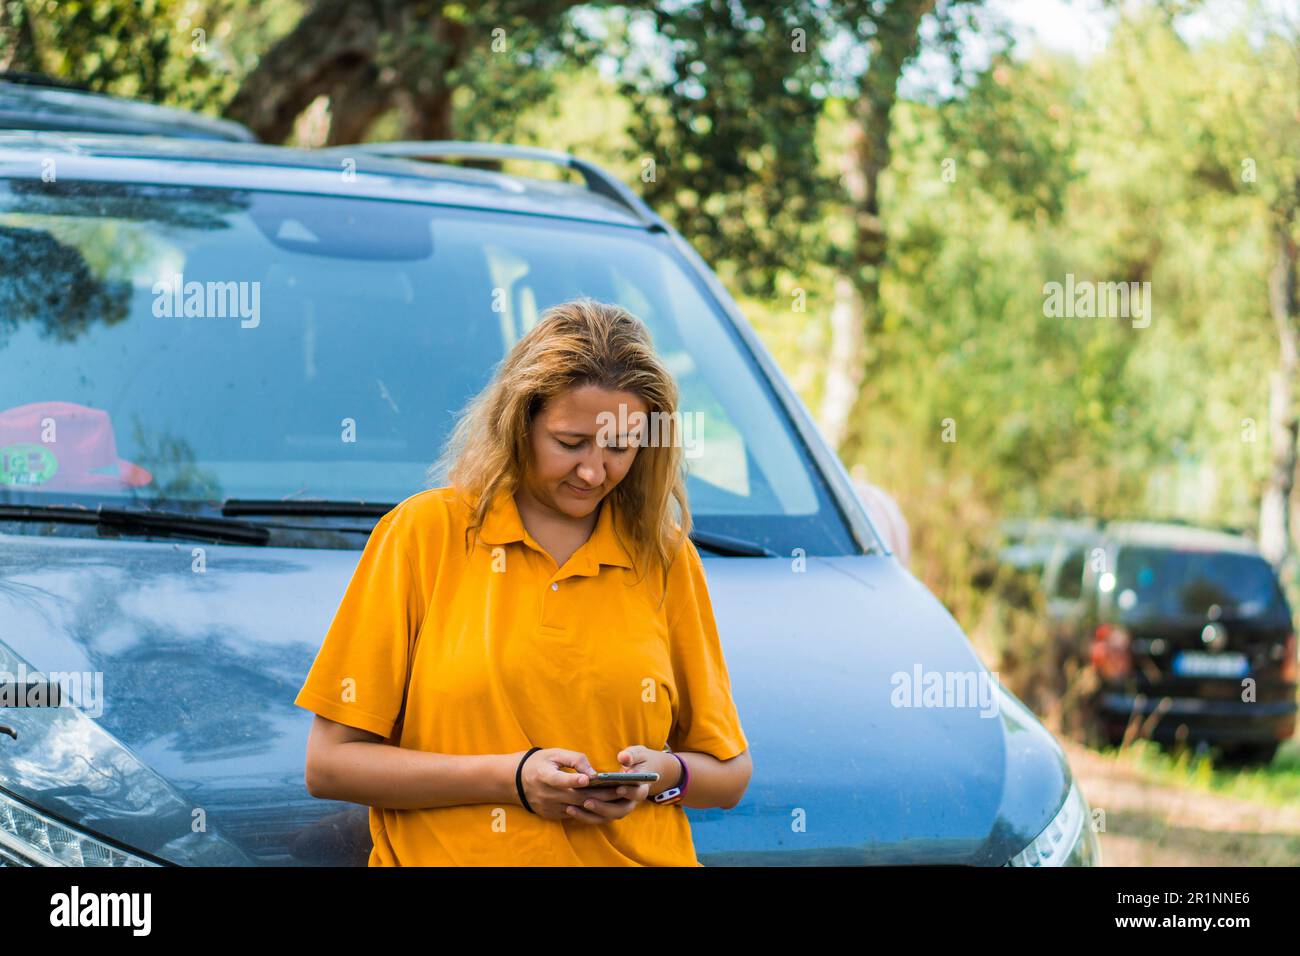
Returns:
(161, 51)
(726, 136)
(1157, 161)
(1127, 169)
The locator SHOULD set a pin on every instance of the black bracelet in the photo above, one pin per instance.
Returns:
(518, 781)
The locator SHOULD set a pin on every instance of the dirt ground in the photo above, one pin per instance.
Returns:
(1153, 824)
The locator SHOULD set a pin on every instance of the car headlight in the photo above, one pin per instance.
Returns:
(30, 838)
(1069, 840)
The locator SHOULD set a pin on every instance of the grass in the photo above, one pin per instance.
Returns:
(1276, 784)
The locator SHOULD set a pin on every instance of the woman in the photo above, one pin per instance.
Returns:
(542, 618)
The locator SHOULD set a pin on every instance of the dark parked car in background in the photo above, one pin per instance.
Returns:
(1188, 632)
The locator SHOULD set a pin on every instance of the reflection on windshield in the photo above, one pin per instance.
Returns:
(168, 344)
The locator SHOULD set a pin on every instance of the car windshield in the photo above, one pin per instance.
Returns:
(165, 344)
(1171, 582)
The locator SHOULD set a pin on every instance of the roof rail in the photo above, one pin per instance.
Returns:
(36, 103)
(598, 180)
(25, 78)
(1243, 531)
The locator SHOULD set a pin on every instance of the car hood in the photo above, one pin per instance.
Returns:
(845, 671)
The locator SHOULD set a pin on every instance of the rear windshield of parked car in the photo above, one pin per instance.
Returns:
(1175, 582)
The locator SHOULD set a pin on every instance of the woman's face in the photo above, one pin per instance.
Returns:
(582, 446)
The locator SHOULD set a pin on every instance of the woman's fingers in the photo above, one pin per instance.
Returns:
(558, 782)
(572, 758)
(599, 811)
(604, 794)
(578, 813)
(562, 779)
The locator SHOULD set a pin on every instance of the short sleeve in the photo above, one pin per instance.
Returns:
(359, 676)
(707, 720)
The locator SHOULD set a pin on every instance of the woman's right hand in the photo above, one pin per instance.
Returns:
(551, 790)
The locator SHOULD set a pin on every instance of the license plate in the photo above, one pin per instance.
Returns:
(1201, 664)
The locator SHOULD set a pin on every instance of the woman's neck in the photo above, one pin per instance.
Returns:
(559, 533)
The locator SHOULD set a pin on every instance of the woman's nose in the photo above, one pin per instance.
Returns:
(592, 470)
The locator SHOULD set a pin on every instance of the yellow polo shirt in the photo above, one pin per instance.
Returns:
(497, 651)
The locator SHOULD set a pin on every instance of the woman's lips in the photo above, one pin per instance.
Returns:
(582, 492)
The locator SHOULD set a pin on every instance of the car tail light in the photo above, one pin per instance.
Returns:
(1288, 658)
(1285, 731)
(1112, 654)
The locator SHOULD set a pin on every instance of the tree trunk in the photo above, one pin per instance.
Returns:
(1275, 504)
(845, 365)
(320, 55)
(18, 50)
(353, 53)
(356, 101)
(426, 107)
(893, 44)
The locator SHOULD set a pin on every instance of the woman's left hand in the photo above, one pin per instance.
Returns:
(639, 759)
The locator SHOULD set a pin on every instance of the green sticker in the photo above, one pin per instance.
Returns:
(26, 464)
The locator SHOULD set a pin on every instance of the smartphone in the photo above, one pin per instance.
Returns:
(618, 779)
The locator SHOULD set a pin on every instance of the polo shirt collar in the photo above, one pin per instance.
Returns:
(503, 525)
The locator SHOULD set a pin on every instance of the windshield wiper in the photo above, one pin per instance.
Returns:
(305, 506)
(731, 547)
(143, 521)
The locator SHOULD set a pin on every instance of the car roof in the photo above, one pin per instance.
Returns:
(40, 106)
(260, 166)
(1049, 529)
(1157, 534)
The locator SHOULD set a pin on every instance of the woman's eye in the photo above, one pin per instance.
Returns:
(571, 447)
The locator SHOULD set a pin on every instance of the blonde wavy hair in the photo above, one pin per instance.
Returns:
(577, 343)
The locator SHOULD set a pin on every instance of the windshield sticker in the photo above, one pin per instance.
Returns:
(26, 464)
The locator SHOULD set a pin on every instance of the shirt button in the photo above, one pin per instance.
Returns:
(555, 585)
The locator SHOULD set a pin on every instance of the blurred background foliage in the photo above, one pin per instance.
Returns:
(778, 138)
